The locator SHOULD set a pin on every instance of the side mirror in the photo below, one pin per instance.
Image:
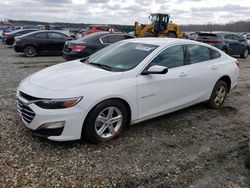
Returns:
(155, 69)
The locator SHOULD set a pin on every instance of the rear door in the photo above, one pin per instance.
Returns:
(40, 40)
(234, 44)
(56, 41)
(203, 71)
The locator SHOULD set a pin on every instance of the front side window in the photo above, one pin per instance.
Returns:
(121, 56)
(171, 57)
(41, 35)
(198, 53)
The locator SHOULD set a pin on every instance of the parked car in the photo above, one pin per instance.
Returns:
(10, 37)
(41, 42)
(247, 36)
(125, 83)
(230, 43)
(97, 28)
(90, 44)
(7, 30)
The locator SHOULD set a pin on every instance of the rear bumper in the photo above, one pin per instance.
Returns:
(73, 56)
(18, 48)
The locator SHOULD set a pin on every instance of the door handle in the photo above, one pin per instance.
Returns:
(213, 67)
(183, 74)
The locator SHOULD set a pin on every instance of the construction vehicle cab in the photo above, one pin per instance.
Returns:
(159, 27)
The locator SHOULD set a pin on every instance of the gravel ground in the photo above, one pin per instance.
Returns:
(194, 147)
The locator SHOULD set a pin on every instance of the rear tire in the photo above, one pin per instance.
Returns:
(30, 51)
(245, 54)
(218, 95)
(105, 121)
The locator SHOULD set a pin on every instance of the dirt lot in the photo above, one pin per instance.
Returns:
(194, 147)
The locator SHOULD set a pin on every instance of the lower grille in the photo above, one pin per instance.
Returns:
(26, 113)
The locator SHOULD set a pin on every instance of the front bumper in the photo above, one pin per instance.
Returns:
(73, 118)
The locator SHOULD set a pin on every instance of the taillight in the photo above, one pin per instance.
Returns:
(214, 41)
(9, 36)
(77, 48)
(17, 39)
(237, 63)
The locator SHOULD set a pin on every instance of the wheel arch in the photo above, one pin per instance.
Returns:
(129, 110)
(29, 45)
(226, 79)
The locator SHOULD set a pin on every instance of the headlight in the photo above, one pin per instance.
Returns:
(57, 103)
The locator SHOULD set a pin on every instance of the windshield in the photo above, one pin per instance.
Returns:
(121, 56)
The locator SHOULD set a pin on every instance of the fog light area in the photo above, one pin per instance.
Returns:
(53, 125)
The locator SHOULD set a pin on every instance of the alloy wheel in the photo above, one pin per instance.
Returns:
(220, 95)
(108, 122)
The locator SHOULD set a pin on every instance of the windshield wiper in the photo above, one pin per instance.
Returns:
(106, 67)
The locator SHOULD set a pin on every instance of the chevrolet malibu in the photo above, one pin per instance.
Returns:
(123, 84)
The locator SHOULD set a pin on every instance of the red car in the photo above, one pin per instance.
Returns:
(97, 28)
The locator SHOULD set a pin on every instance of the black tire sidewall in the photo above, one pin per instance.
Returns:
(245, 56)
(89, 131)
(211, 103)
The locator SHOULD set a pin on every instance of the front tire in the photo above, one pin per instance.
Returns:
(218, 95)
(30, 51)
(245, 54)
(105, 121)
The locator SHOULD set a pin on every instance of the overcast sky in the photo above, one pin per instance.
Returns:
(125, 12)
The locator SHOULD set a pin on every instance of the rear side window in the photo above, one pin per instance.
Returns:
(214, 54)
(128, 37)
(237, 38)
(41, 35)
(229, 37)
(171, 57)
(198, 53)
(104, 39)
(115, 38)
(57, 36)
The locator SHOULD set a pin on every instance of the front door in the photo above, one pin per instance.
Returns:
(161, 92)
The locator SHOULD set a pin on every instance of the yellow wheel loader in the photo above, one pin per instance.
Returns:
(159, 27)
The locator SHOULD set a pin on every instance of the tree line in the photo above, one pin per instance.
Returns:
(240, 26)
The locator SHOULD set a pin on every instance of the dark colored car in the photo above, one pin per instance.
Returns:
(230, 43)
(41, 42)
(10, 37)
(91, 43)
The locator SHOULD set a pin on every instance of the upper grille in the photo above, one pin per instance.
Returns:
(26, 113)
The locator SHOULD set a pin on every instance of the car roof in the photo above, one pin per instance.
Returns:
(164, 42)
(19, 30)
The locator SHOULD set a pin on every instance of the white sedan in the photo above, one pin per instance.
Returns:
(123, 84)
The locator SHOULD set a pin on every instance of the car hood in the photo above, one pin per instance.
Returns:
(66, 79)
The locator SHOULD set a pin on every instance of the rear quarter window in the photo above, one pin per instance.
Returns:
(214, 54)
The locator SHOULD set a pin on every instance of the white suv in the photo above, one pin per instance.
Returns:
(125, 83)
